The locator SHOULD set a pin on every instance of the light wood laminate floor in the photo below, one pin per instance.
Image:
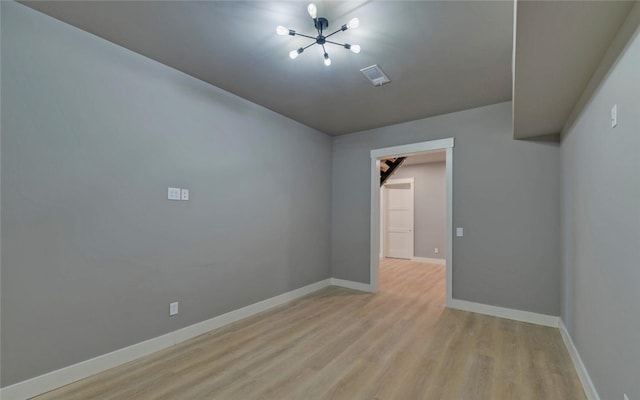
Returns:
(400, 343)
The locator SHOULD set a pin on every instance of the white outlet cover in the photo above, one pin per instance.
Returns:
(459, 232)
(184, 194)
(173, 193)
(436, 250)
(173, 308)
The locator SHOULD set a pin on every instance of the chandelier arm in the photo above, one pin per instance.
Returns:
(339, 44)
(306, 47)
(339, 30)
(307, 36)
(320, 27)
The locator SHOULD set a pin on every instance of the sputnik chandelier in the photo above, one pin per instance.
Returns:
(321, 24)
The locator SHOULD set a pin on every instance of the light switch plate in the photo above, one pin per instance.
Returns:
(173, 193)
(459, 232)
(185, 194)
(173, 308)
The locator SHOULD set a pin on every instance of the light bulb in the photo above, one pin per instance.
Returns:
(327, 60)
(281, 30)
(353, 23)
(293, 54)
(313, 10)
(355, 48)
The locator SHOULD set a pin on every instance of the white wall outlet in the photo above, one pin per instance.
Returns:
(436, 250)
(614, 116)
(184, 194)
(173, 308)
(459, 232)
(173, 193)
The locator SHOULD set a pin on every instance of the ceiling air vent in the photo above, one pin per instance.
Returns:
(375, 75)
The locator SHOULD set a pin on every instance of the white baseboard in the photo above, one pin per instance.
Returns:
(363, 287)
(583, 375)
(516, 315)
(64, 376)
(440, 261)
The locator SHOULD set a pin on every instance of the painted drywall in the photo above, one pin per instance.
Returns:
(430, 207)
(92, 250)
(505, 195)
(601, 230)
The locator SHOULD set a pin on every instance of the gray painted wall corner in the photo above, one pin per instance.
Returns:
(506, 196)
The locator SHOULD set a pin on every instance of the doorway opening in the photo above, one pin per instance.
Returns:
(397, 240)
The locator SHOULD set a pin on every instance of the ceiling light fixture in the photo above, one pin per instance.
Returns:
(321, 24)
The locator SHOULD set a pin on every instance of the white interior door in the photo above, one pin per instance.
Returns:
(398, 218)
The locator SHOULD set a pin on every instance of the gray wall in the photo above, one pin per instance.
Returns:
(601, 231)
(92, 251)
(505, 196)
(430, 207)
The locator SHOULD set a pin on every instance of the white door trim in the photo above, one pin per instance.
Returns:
(399, 181)
(399, 151)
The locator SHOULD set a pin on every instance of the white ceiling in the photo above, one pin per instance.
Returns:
(441, 56)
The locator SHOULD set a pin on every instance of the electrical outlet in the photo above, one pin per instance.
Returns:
(459, 232)
(173, 308)
(173, 193)
(436, 250)
(184, 194)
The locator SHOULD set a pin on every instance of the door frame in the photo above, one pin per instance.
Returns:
(402, 151)
(411, 182)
